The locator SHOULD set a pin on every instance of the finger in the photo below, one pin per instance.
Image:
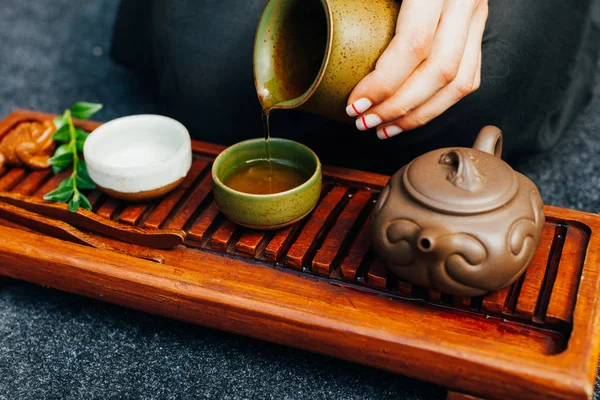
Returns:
(477, 81)
(466, 82)
(434, 107)
(415, 30)
(436, 72)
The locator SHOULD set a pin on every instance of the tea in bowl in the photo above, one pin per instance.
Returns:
(257, 193)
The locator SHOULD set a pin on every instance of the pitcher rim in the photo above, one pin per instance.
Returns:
(303, 98)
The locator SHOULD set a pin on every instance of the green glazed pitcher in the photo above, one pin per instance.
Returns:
(310, 54)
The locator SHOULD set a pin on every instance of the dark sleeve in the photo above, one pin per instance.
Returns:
(537, 68)
(199, 55)
(132, 34)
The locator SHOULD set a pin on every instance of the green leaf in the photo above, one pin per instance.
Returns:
(62, 134)
(84, 182)
(82, 168)
(74, 204)
(60, 165)
(59, 122)
(81, 133)
(61, 194)
(83, 174)
(79, 144)
(84, 202)
(67, 183)
(62, 149)
(67, 155)
(62, 161)
(84, 110)
(80, 139)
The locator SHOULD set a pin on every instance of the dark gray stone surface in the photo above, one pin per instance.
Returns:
(57, 345)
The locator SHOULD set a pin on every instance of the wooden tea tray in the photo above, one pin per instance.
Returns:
(318, 286)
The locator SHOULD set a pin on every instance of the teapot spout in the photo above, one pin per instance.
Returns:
(428, 241)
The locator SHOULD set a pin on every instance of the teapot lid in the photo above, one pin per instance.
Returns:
(461, 180)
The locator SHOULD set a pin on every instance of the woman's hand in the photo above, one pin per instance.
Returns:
(433, 61)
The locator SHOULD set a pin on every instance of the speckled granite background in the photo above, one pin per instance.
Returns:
(60, 346)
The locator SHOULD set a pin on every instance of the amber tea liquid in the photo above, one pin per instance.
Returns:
(265, 177)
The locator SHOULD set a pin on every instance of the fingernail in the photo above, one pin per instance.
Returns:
(389, 131)
(358, 107)
(367, 122)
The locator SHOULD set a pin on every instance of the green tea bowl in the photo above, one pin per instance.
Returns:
(267, 211)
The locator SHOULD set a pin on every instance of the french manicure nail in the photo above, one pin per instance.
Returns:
(389, 131)
(358, 107)
(367, 122)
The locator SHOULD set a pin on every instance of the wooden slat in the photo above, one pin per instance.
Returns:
(377, 276)
(203, 222)
(329, 250)
(494, 302)
(313, 229)
(461, 302)
(164, 208)
(11, 178)
(534, 276)
(192, 203)
(280, 241)
(94, 197)
(355, 177)
(222, 237)
(564, 291)
(404, 289)
(133, 213)
(249, 242)
(51, 184)
(32, 182)
(109, 207)
(357, 253)
(434, 296)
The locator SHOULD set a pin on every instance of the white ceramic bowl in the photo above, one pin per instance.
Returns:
(139, 157)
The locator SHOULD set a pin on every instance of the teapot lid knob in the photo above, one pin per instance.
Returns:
(464, 175)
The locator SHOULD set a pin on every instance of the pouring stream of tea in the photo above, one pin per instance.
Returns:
(267, 132)
(268, 100)
(301, 41)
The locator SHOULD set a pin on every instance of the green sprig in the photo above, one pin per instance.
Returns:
(67, 156)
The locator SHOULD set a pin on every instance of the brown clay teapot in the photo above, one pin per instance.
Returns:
(459, 220)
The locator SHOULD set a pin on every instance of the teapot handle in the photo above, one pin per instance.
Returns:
(489, 140)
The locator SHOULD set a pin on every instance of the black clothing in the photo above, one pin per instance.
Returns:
(537, 69)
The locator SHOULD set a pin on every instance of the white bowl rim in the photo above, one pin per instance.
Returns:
(88, 154)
